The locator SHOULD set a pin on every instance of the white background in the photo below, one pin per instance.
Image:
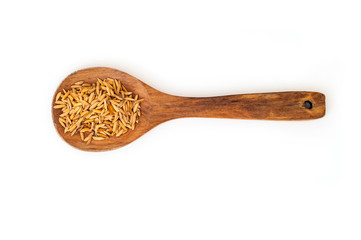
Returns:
(187, 178)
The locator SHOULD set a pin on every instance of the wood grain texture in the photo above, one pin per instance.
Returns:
(159, 107)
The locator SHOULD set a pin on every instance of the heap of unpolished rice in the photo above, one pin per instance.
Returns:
(98, 110)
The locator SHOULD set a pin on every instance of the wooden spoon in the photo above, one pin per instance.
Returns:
(159, 107)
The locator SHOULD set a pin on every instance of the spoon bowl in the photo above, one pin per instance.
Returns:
(159, 107)
(132, 84)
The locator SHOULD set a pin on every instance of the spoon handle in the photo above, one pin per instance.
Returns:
(266, 106)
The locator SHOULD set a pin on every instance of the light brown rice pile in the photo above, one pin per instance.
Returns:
(98, 110)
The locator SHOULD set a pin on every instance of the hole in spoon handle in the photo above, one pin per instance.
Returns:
(308, 104)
